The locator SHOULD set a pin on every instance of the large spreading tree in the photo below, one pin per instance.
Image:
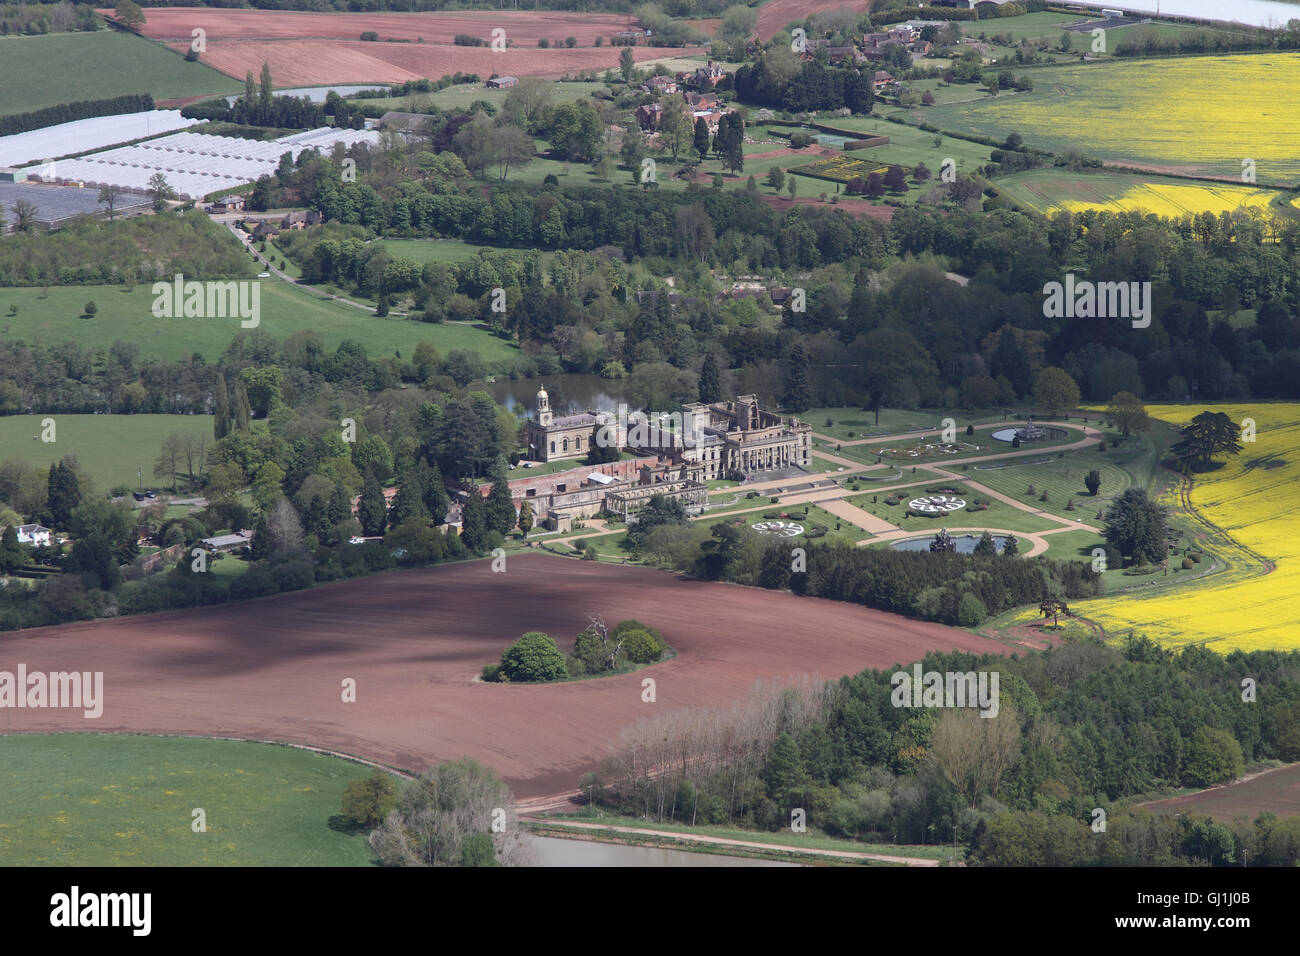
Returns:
(1207, 435)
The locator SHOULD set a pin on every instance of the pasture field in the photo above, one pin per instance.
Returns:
(109, 447)
(431, 250)
(1249, 500)
(59, 68)
(285, 309)
(1051, 190)
(95, 800)
(1191, 115)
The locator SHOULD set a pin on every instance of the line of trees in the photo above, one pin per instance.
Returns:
(68, 112)
(1079, 727)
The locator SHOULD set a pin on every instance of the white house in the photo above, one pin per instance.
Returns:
(34, 534)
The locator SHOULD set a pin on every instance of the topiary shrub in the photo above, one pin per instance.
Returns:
(1188, 564)
(1196, 556)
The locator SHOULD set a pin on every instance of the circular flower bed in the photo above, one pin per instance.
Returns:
(936, 504)
(782, 529)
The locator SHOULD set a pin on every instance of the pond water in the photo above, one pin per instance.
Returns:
(550, 851)
(965, 543)
(570, 393)
(317, 93)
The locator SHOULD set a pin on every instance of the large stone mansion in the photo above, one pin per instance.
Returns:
(737, 438)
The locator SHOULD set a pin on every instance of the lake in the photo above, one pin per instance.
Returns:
(570, 393)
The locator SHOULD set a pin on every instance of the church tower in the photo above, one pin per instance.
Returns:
(543, 408)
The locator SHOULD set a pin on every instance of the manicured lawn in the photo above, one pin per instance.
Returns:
(997, 515)
(59, 68)
(285, 309)
(1074, 545)
(851, 423)
(1062, 479)
(109, 447)
(97, 800)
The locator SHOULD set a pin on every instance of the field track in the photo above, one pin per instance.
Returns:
(414, 642)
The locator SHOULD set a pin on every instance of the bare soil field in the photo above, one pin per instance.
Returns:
(883, 213)
(322, 62)
(774, 16)
(414, 642)
(1274, 791)
(177, 23)
(311, 49)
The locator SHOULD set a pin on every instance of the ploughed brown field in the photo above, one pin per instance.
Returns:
(774, 15)
(1274, 791)
(310, 49)
(414, 641)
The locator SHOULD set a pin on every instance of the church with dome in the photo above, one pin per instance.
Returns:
(555, 439)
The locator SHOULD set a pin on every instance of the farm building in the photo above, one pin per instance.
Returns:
(502, 82)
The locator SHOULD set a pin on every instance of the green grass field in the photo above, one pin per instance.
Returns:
(92, 800)
(431, 250)
(285, 309)
(109, 447)
(59, 68)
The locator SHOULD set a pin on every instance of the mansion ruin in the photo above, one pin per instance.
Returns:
(675, 455)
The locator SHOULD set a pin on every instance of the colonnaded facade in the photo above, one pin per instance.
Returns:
(710, 441)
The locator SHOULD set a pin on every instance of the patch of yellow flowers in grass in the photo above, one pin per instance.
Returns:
(1259, 507)
(1189, 110)
(1174, 200)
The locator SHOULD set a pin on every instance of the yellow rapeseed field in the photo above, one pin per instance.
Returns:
(1194, 113)
(1167, 199)
(1255, 498)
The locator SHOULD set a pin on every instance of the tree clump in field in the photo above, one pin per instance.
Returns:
(448, 817)
(366, 802)
(531, 659)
